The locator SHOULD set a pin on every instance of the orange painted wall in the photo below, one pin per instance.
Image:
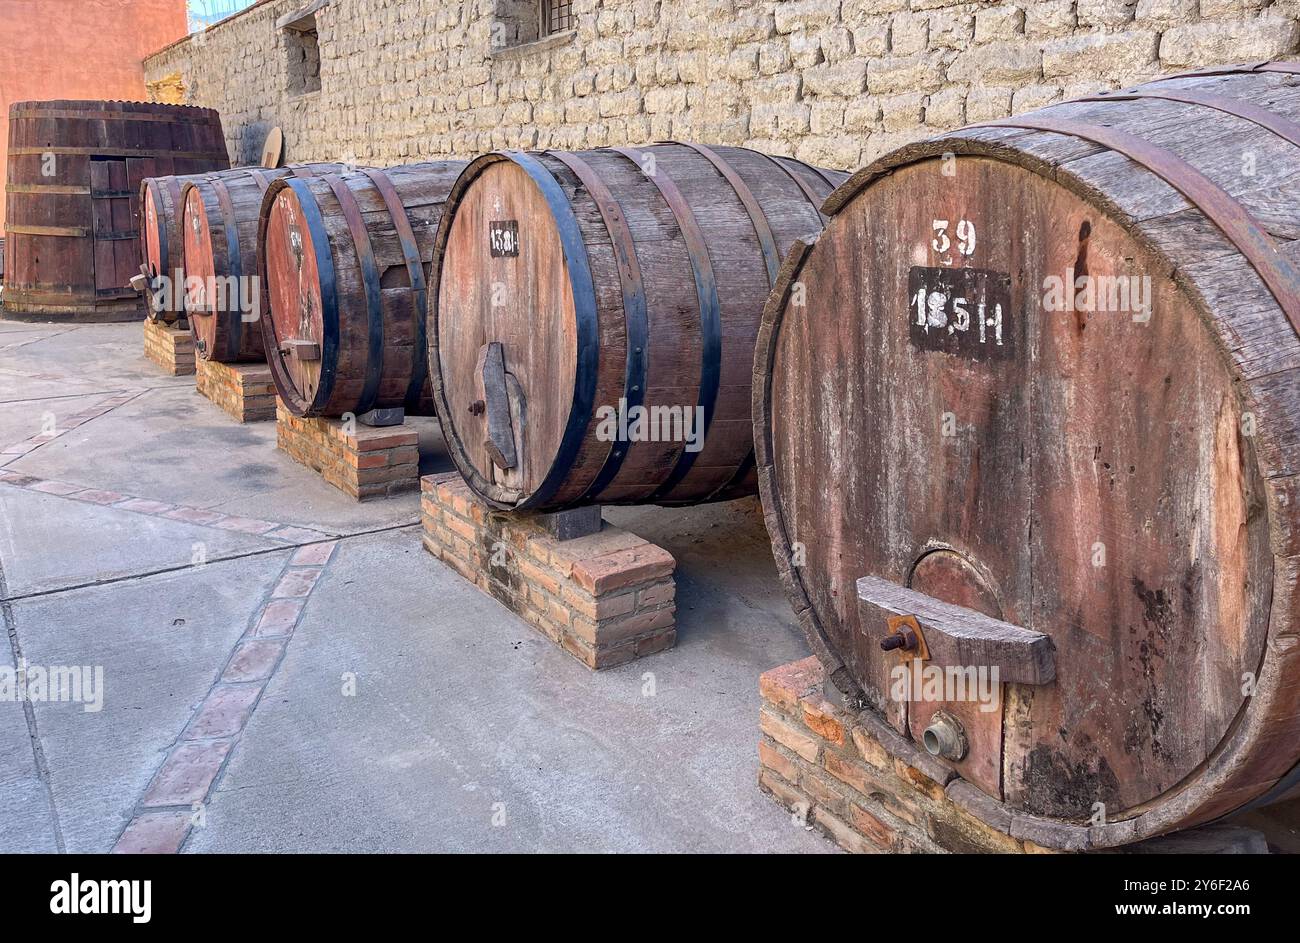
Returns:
(78, 49)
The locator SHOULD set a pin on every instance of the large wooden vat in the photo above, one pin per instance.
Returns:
(72, 217)
(218, 234)
(574, 293)
(344, 260)
(1105, 491)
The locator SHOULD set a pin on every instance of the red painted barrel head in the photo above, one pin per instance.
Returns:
(151, 233)
(1081, 460)
(200, 270)
(504, 279)
(296, 309)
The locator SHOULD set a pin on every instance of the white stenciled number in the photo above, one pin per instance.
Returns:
(962, 323)
(940, 243)
(930, 308)
(966, 237)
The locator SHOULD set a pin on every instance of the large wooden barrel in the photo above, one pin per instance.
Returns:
(219, 224)
(73, 211)
(344, 260)
(1038, 382)
(593, 314)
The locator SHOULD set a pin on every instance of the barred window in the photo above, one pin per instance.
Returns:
(557, 16)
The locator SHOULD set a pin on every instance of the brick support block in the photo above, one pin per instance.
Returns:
(367, 462)
(244, 390)
(605, 598)
(845, 775)
(869, 789)
(169, 348)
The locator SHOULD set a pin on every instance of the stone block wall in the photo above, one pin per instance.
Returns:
(834, 82)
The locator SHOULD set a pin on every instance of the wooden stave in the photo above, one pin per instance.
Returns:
(233, 198)
(555, 166)
(1245, 768)
(154, 139)
(412, 231)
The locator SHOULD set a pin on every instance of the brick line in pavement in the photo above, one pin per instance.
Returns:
(274, 530)
(174, 801)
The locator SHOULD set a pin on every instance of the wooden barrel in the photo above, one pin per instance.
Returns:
(1038, 382)
(344, 260)
(73, 212)
(593, 317)
(162, 250)
(218, 229)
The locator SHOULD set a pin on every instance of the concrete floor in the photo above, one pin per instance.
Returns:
(467, 730)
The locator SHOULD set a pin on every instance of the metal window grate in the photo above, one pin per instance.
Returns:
(557, 16)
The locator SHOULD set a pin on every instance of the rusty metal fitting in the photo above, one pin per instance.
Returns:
(945, 737)
(904, 639)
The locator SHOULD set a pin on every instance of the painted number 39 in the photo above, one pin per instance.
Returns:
(942, 242)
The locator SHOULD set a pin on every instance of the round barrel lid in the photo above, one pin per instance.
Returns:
(507, 330)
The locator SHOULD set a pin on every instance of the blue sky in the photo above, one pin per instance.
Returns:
(206, 12)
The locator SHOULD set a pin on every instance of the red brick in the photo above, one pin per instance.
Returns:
(822, 792)
(642, 623)
(297, 582)
(657, 594)
(187, 774)
(820, 717)
(850, 773)
(623, 568)
(461, 526)
(314, 554)
(918, 779)
(55, 487)
(539, 576)
(254, 660)
(372, 460)
(871, 828)
(844, 835)
(778, 762)
(145, 506)
(99, 497)
(224, 711)
(659, 642)
(869, 749)
(367, 440)
(194, 515)
(154, 833)
(295, 534)
(788, 736)
(246, 525)
(279, 617)
(784, 686)
(785, 793)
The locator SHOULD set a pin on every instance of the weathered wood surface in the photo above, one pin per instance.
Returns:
(75, 170)
(621, 274)
(219, 221)
(956, 635)
(1126, 486)
(344, 260)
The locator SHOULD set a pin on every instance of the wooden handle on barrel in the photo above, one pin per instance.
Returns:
(956, 635)
(500, 442)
